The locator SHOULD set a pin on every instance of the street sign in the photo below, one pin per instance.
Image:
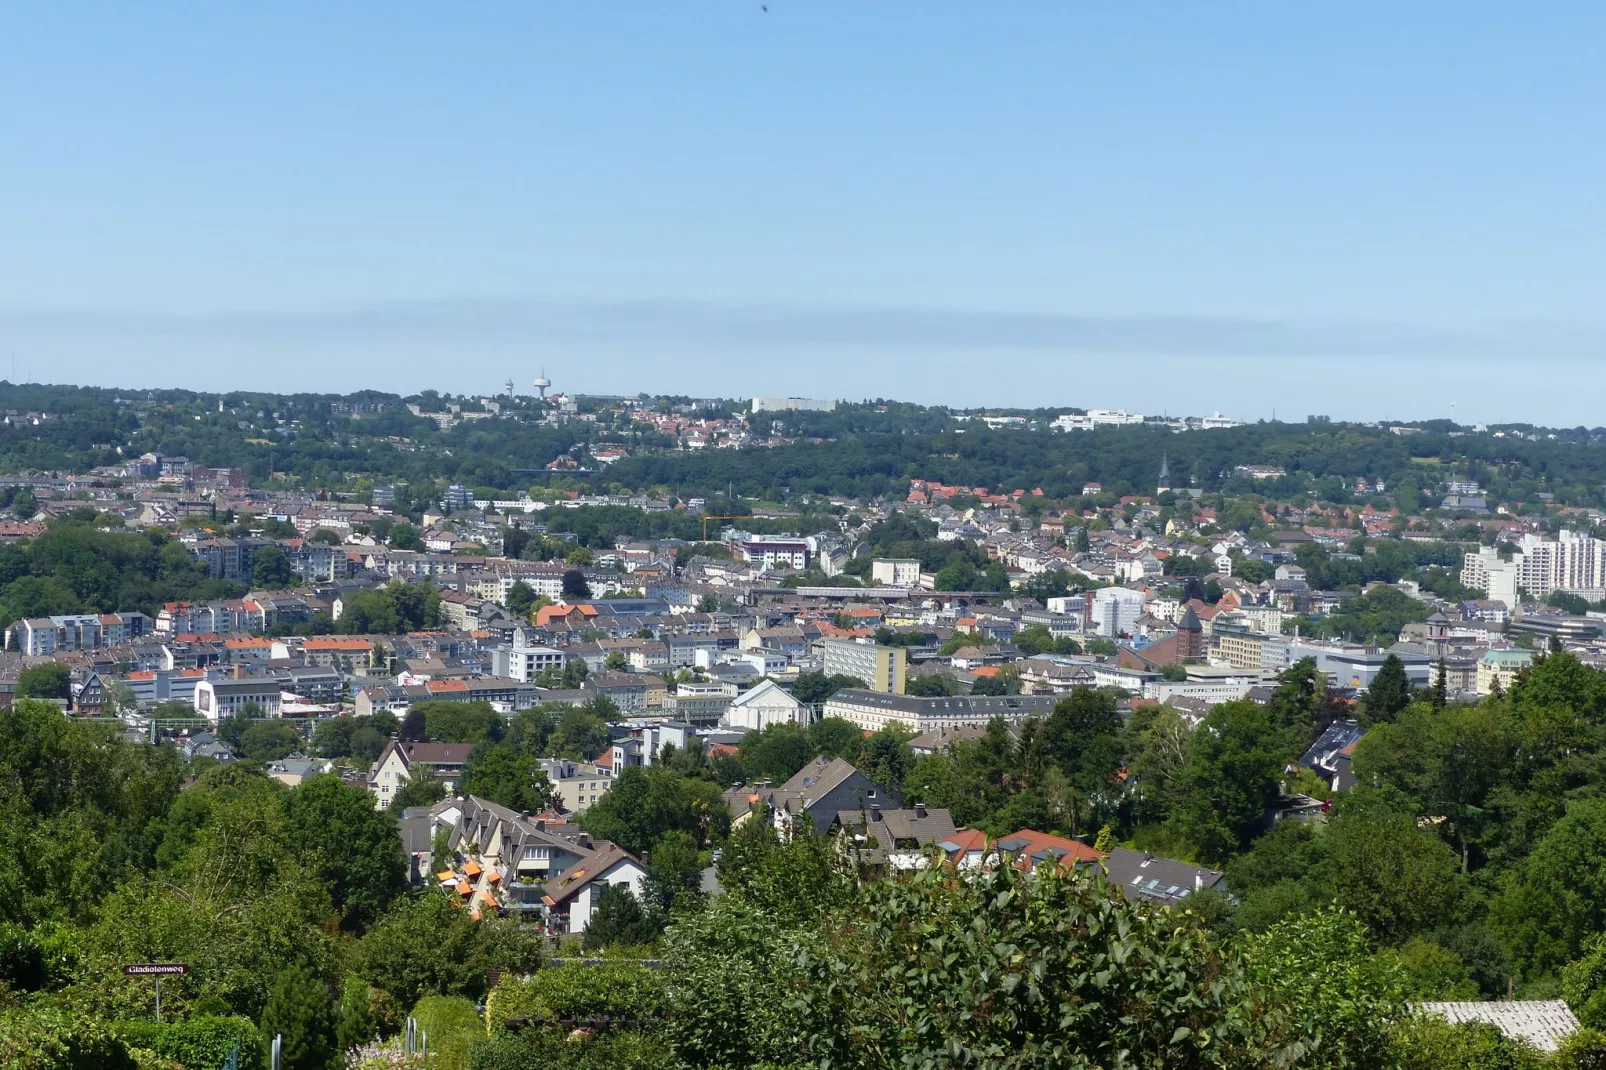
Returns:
(156, 969)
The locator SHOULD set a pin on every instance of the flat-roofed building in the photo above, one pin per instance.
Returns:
(882, 668)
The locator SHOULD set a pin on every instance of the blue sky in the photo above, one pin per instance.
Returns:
(1371, 210)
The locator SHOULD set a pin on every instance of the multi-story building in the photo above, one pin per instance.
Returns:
(1540, 565)
(880, 667)
(792, 405)
(1500, 667)
(1488, 572)
(525, 660)
(1237, 644)
(1115, 611)
(218, 699)
(230, 558)
(402, 761)
(577, 785)
(549, 871)
(349, 654)
(895, 571)
(775, 550)
(875, 710)
(43, 636)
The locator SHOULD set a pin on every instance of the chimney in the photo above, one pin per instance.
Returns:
(920, 809)
(540, 826)
(875, 812)
(1198, 881)
(585, 840)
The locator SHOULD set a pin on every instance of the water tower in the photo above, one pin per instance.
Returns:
(542, 383)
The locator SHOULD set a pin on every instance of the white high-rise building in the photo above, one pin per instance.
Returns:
(1486, 571)
(1541, 565)
(1116, 610)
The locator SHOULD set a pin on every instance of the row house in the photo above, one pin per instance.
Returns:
(348, 654)
(217, 616)
(45, 636)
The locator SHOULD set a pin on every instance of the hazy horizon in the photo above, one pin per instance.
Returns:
(1377, 214)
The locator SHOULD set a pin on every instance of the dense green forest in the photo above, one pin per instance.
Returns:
(873, 448)
(78, 566)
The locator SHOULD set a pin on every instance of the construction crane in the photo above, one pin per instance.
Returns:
(707, 518)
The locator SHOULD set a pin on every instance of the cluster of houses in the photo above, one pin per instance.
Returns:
(545, 869)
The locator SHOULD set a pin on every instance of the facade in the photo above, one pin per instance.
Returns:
(771, 551)
(1500, 667)
(875, 710)
(895, 571)
(44, 636)
(764, 705)
(1115, 611)
(524, 660)
(1541, 565)
(548, 871)
(881, 667)
(821, 790)
(402, 761)
(346, 654)
(1487, 572)
(217, 699)
(577, 785)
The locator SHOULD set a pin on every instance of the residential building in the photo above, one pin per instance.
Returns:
(577, 785)
(45, 636)
(1141, 875)
(882, 668)
(875, 710)
(821, 790)
(348, 654)
(895, 571)
(1486, 571)
(1115, 611)
(402, 761)
(547, 870)
(896, 838)
(526, 660)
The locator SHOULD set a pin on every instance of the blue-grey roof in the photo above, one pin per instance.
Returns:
(1329, 744)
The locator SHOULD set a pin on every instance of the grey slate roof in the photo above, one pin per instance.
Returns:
(1158, 880)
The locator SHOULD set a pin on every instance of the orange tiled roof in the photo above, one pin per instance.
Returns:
(334, 642)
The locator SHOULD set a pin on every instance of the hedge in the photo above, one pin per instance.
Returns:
(44, 1038)
(622, 989)
(199, 1043)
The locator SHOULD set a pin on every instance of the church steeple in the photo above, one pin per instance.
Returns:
(1165, 474)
